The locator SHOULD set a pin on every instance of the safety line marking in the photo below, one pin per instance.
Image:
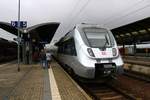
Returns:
(53, 86)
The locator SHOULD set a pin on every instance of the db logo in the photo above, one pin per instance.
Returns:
(103, 53)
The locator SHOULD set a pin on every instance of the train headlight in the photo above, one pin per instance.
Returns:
(114, 51)
(90, 52)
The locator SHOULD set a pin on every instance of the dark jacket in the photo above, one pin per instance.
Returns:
(43, 56)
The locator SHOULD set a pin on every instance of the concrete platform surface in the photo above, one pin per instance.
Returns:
(68, 89)
(36, 83)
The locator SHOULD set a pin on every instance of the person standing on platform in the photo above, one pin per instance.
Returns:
(48, 58)
(43, 58)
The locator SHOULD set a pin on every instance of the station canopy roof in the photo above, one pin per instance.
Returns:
(42, 33)
(7, 27)
(137, 32)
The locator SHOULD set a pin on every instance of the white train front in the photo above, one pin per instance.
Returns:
(90, 52)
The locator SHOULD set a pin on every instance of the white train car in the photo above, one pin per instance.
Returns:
(90, 52)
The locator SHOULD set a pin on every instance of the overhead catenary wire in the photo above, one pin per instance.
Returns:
(78, 13)
(128, 14)
(73, 10)
(70, 15)
(72, 20)
(124, 10)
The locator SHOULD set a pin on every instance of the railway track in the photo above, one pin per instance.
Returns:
(138, 76)
(106, 92)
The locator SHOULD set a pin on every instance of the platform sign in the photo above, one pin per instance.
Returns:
(23, 24)
(14, 23)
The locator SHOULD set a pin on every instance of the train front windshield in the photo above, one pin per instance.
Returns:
(98, 37)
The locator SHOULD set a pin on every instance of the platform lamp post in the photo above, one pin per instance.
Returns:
(18, 68)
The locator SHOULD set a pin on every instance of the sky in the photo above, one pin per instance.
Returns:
(108, 13)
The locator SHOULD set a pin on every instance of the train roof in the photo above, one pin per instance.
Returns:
(90, 25)
(78, 26)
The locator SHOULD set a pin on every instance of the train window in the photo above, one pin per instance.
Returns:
(69, 47)
(98, 40)
(73, 49)
(63, 48)
(98, 37)
(60, 49)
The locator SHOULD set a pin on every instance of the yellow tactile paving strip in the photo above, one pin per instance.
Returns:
(67, 89)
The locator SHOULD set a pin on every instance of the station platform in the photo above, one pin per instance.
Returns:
(36, 83)
(137, 60)
(139, 65)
